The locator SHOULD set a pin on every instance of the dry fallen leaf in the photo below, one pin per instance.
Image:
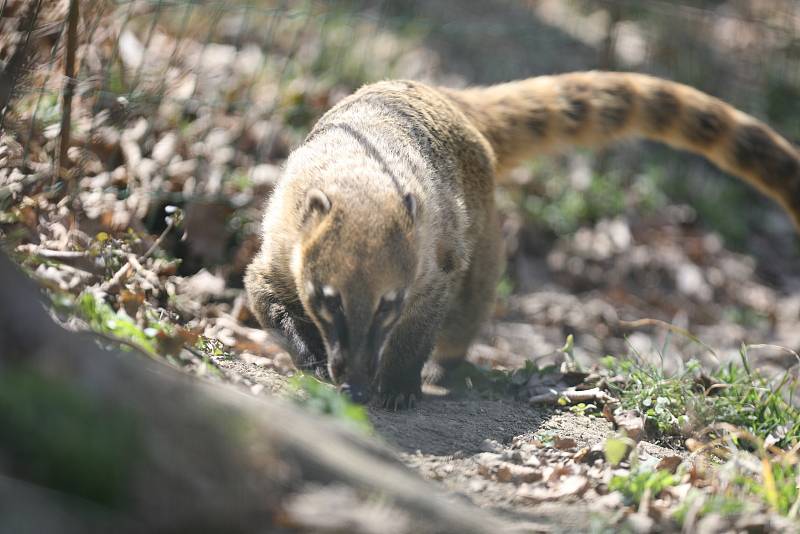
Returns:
(631, 423)
(573, 485)
(669, 463)
(565, 443)
(508, 472)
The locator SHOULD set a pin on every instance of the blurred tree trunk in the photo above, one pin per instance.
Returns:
(95, 440)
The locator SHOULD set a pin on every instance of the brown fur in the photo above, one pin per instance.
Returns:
(393, 191)
(596, 108)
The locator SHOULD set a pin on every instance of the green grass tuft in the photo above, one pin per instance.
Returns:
(690, 400)
(323, 398)
(641, 480)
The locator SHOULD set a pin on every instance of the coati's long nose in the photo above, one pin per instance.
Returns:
(352, 372)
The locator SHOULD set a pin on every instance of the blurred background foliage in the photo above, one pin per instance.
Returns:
(196, 104)
(272, 68)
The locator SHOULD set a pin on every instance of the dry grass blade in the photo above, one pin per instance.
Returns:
(672, 328)
(774, 347)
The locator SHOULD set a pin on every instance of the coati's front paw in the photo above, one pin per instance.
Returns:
(400, 395)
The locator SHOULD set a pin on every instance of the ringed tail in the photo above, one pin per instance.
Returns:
(593, 109)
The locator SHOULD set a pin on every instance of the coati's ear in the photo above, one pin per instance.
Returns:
(316, 202)
(410, 202)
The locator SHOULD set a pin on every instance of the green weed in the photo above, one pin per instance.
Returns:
(102, 318)
(777, 486)
(151, 338)
(582, 408)
(722, 504)
(690, 400)
(641, 480)
(323, 398)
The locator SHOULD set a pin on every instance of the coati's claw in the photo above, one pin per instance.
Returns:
(399, 401)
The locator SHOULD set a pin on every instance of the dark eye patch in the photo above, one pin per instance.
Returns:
(389, 307)
(327, 305)
(327, 302)
(333, 303)
(385, 306)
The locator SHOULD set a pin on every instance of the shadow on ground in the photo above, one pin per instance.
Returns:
(446, 426)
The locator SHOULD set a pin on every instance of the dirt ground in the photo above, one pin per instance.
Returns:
(495, 451)
(458, 440)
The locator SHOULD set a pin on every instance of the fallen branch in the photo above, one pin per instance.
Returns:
(160, 239)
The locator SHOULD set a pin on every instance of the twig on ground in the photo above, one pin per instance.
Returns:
(160, 239)
(116, 279)
(52, 254)
(125, 269)
(572, 395)
(149, 275)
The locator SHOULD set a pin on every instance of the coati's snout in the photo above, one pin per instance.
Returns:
(353, 269)
(355, 332)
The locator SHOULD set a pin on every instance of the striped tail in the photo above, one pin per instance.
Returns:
(593, 109)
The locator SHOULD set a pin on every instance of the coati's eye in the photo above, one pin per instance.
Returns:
(330, 303)
(389, 307)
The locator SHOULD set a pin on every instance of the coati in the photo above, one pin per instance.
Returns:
(381, 244)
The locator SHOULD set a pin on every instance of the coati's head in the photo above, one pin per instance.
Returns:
(353, 268)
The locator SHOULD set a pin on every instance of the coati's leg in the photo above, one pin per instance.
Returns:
(473, 301)
(408, 348)
(305, 343)
(282, 311)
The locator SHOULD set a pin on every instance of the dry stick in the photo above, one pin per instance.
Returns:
(53, 254)
(67, 268)
(147, 275)
(125, 269)
(117, 278)
(572, 395)
(160, 239)
(69, 89)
